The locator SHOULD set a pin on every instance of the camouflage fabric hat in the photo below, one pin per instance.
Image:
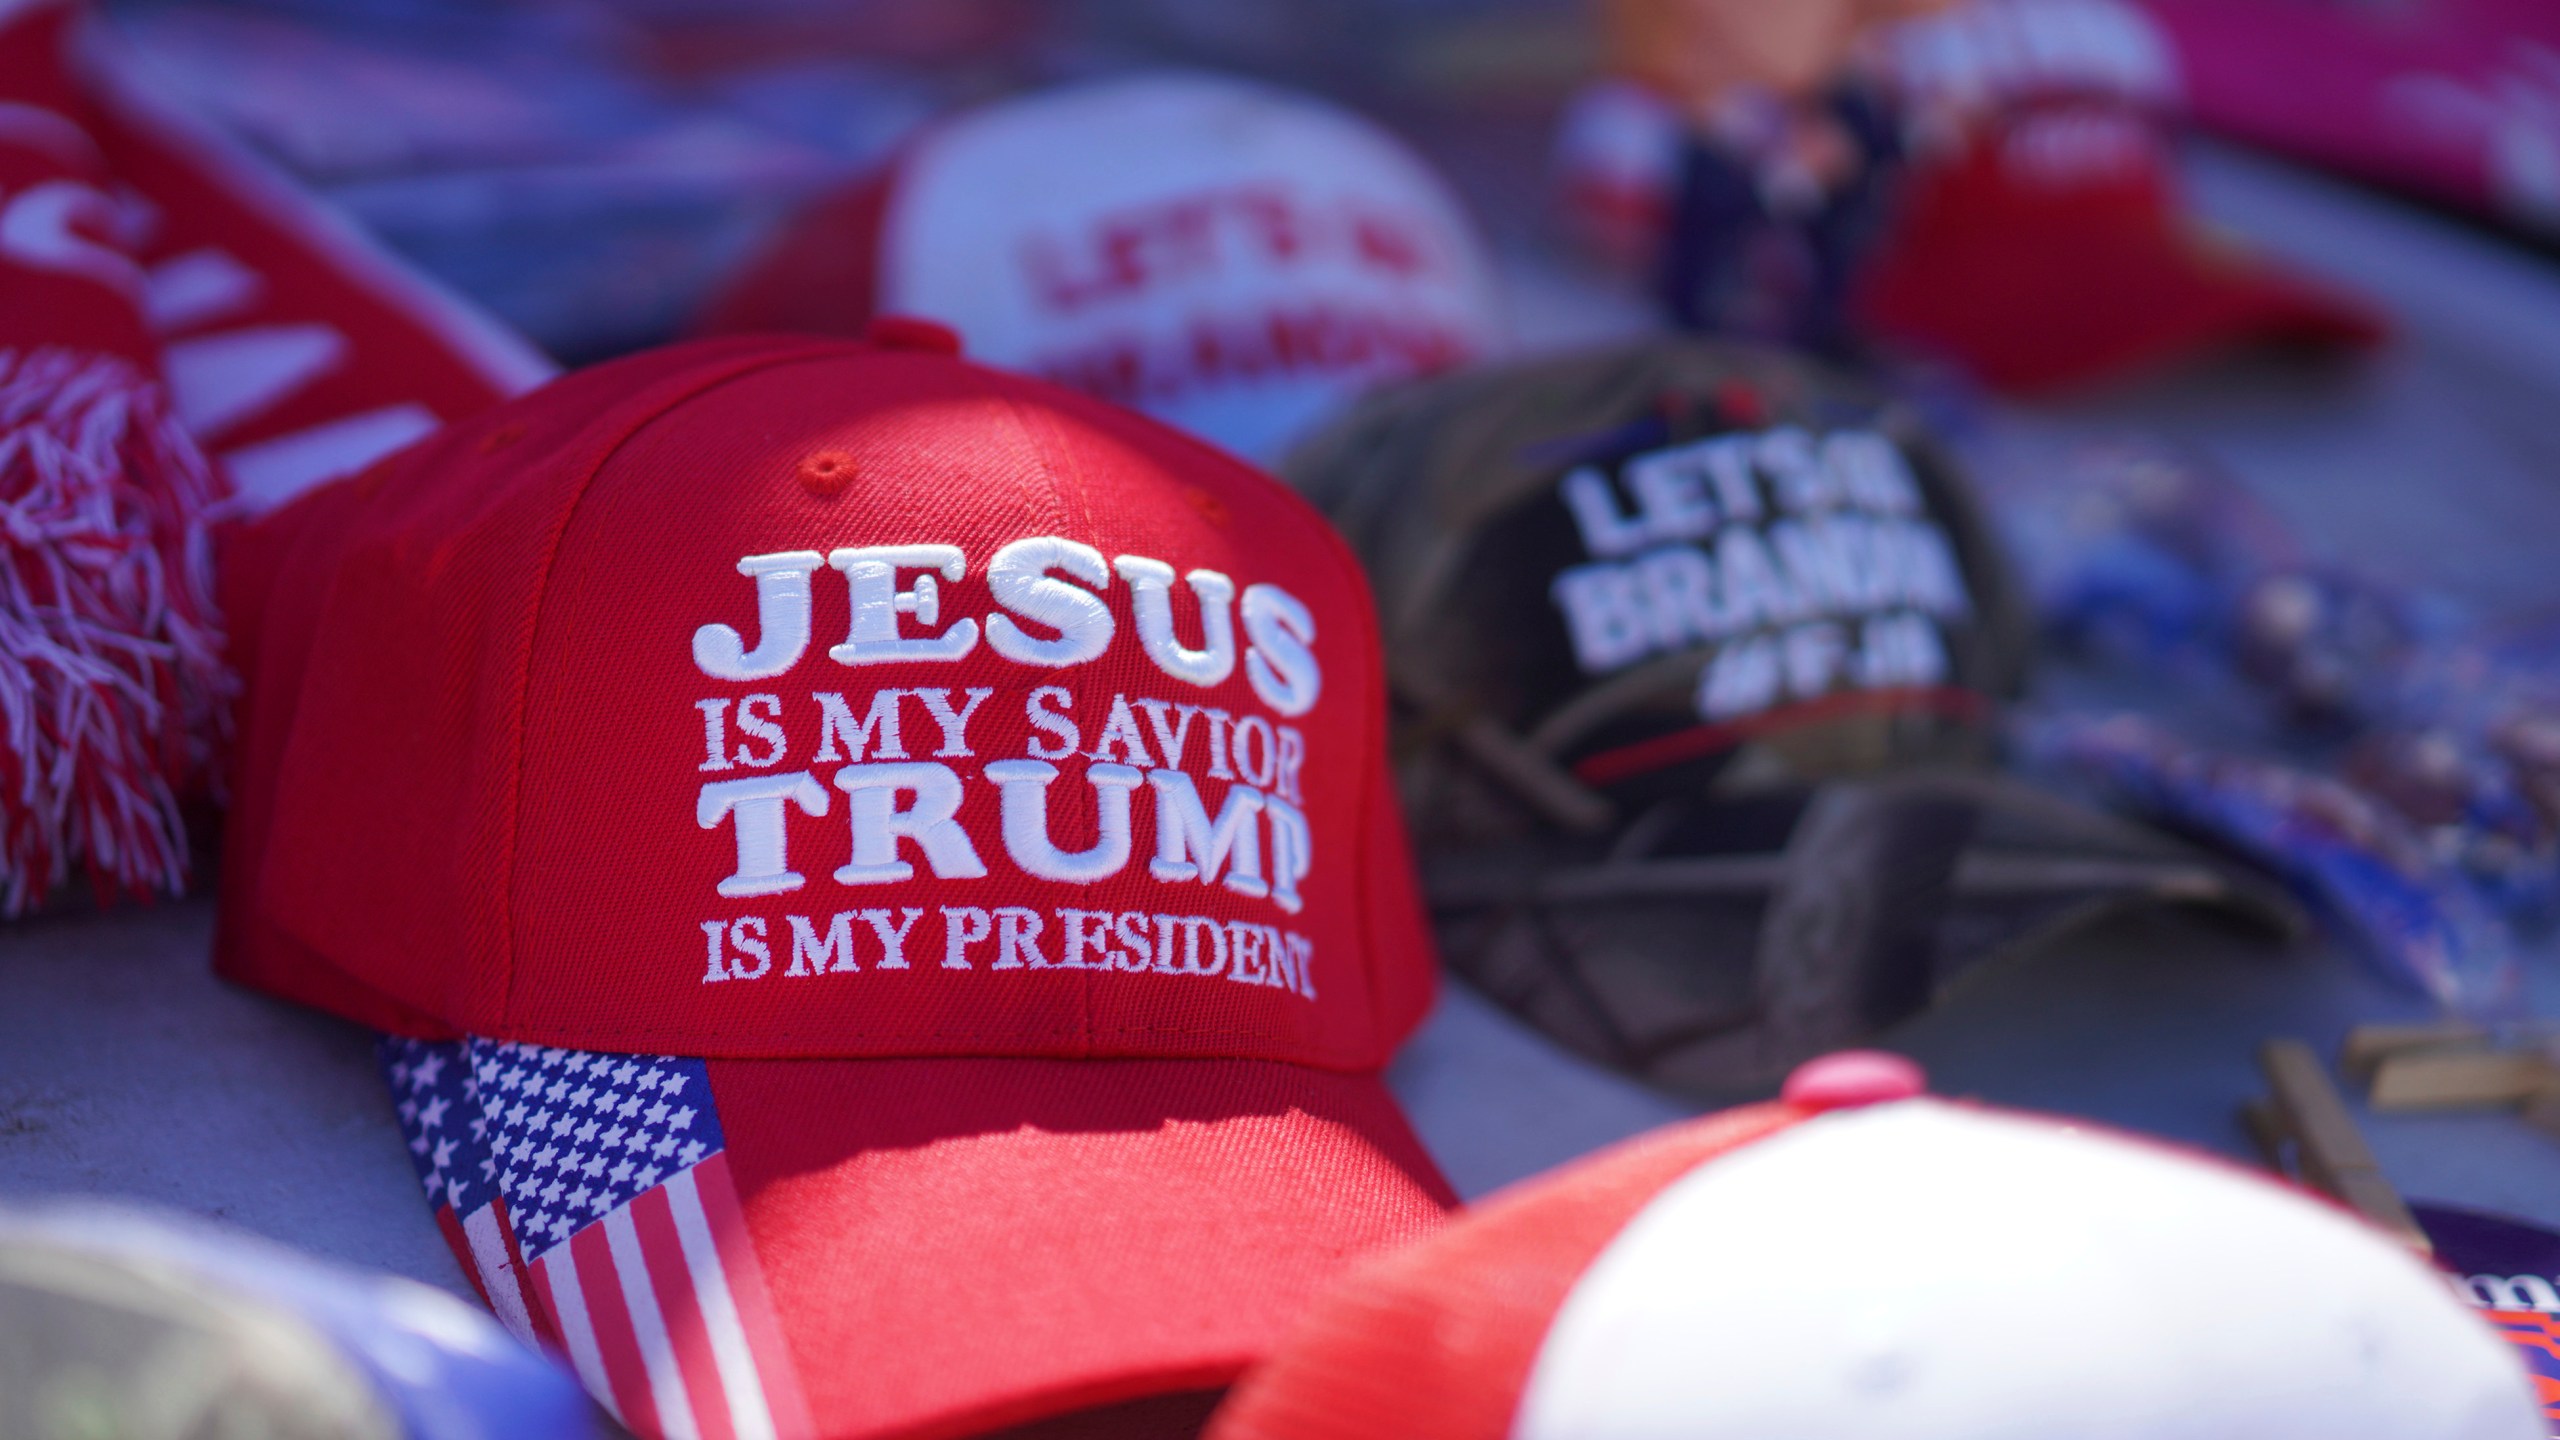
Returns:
(1700, 652)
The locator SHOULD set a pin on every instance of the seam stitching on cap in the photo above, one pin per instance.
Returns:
(737, 369)
(1326, 1059)
(1373, 769)
(1053, 457)
(1374, 774)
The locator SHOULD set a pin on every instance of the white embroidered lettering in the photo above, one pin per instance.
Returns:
(1189, 847)
(757, 803)
(893, 941)
(1170, 739)
(878, 823)
(1803, 484)
(1679, 590)
(1871, 470)
(1728, 462)
(1742, 679)
(715, 934)
(1604, 614)
(835, 721)
(1244, 947)
(811, 955)
(1932, 581)
(1257, 761)
(715, 734)
(1302, 970)
(1063, 738)
(1025, 784)
(1018, 935)
(1753, 594)
(1137, 948)
(1899, 649)
(757, 715)
(747, 936)
(1121, 730)
(55, 225)
(1019, 578)
(962, 927)
(1193, 927)
(954, 723)
(1815, 556)
(1151, 587)
(1812, 655)
(1218, 723)
(1293, 759)
(782, 621)
(1670, 488)
(1292, 852)
(1280, 659)
(1079, 939)
(872, 573)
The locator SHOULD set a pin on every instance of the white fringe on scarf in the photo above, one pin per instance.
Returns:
(114, 702)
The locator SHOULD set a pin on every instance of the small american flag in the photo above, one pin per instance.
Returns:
(612, 1219)
(438, 1100)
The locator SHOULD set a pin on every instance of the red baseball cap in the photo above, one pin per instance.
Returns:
(903, 861)
(1858, 1259)
(1229, 257)
(2050, 253)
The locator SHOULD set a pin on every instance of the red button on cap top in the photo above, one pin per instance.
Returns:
(1852, 1078)
(912, 332)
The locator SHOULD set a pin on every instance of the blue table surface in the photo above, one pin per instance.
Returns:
(126, 1070)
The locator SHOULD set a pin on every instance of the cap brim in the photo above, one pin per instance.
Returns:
(2065, 307)
(948, 1246)
(2199, 298)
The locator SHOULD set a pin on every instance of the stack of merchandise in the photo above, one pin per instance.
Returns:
(885, 862)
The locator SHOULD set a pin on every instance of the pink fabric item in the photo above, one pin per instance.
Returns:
(2454, 100)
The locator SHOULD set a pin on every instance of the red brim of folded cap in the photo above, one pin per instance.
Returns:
(2039, 294)
(2064, 315)
(951, 1246)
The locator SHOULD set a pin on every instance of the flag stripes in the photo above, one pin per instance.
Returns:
(628, 1269)
(611, 1173)
(652, 1318)
(564, 1291)
(500, 1271)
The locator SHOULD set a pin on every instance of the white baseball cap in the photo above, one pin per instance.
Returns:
(1232, 258)
(1858, 1259)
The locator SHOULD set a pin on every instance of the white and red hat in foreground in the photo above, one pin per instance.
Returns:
(1234, 259)
(887, 872)
(1859, 1260)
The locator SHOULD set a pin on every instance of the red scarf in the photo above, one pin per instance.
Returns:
(183, 337)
